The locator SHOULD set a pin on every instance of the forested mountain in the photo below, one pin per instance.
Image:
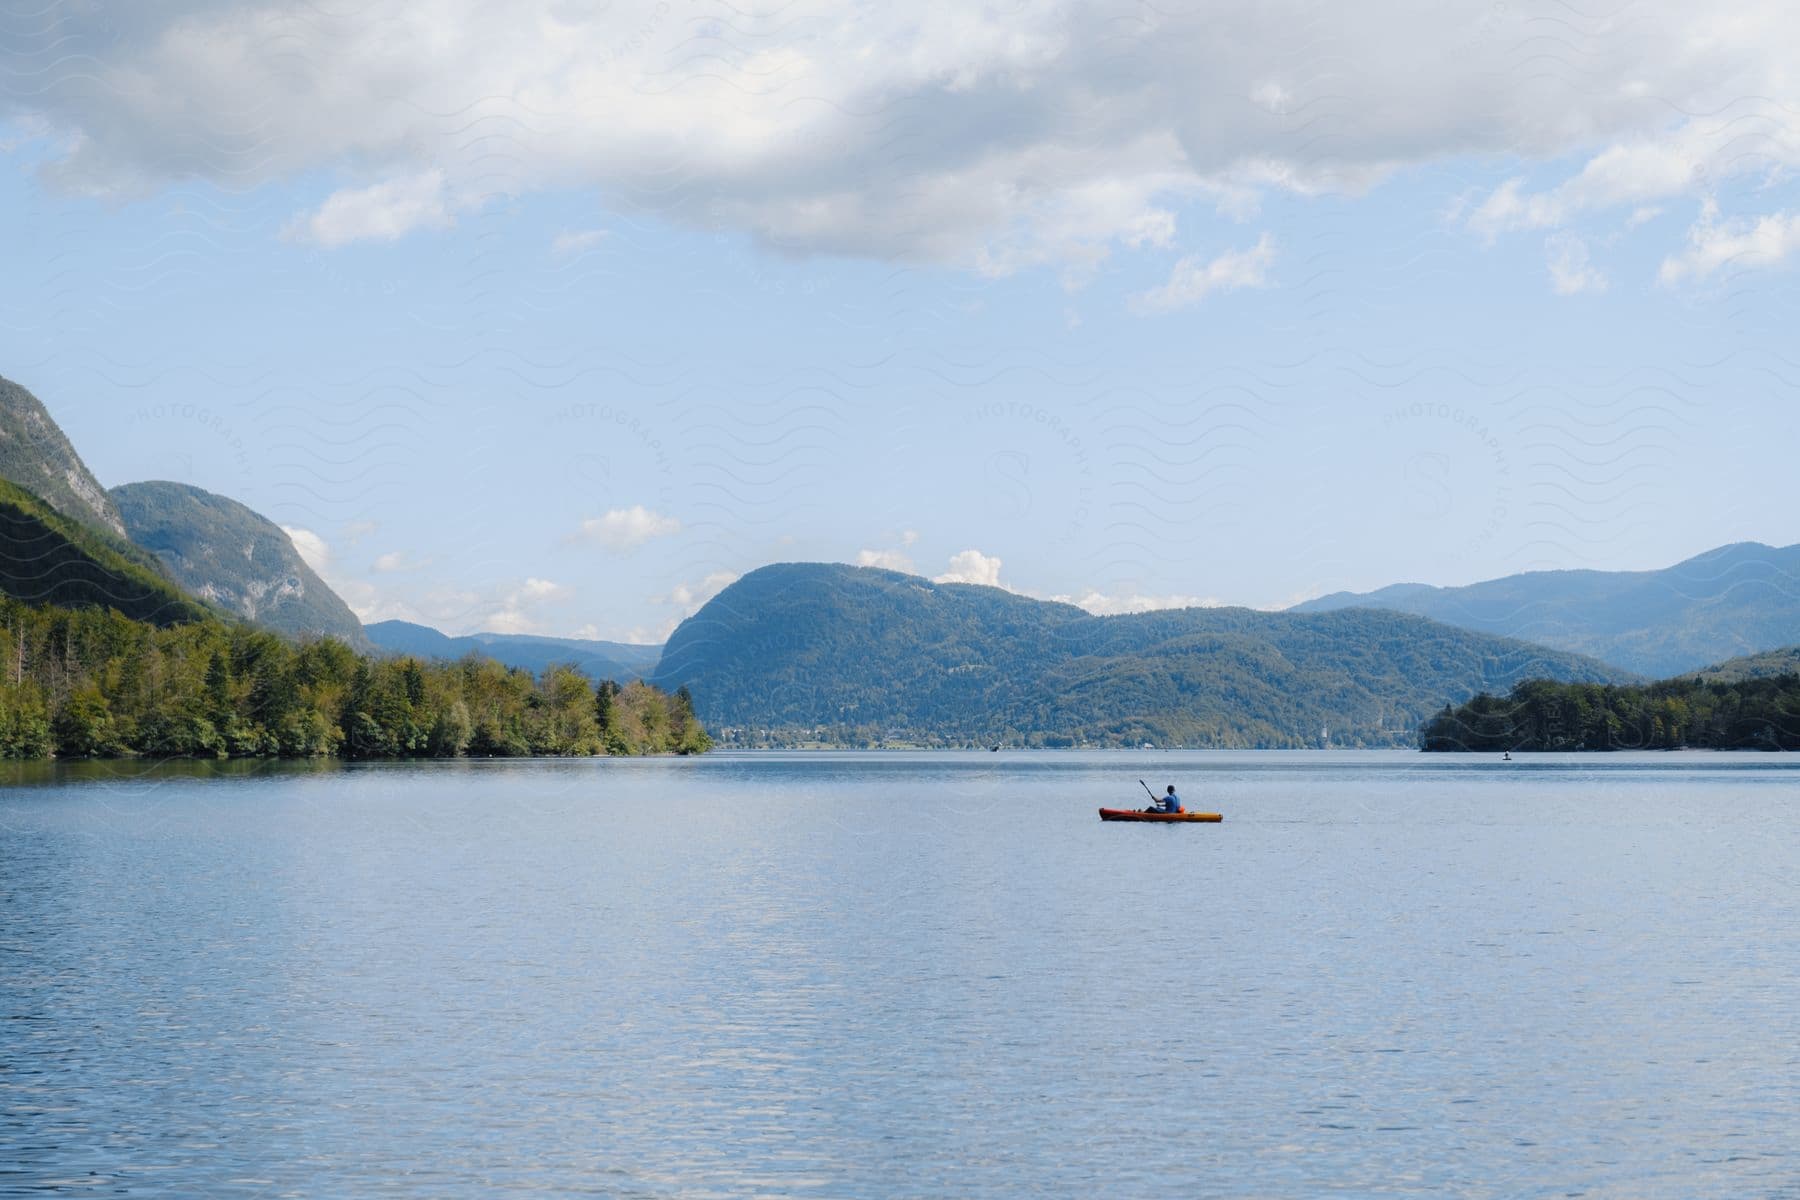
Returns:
(36, 455)
(602, 660)
(236, 558)
(1738, 599)
(49, 558)
(852, 655)
(1751, 713)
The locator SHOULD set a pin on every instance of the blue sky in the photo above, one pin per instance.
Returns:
(555, 320)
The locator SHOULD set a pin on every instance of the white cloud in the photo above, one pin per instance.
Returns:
(1692, 158)
(534, 590)
(1103, 605)
(382, 212)
(1743, 243)
(690, 597)
(622, 529)
(397, 560)
(313, 549)
(516, 611)
(574, 241)
(991, 137)
(887, 560)
(972, 566)
(1570, 271)
(1195, 278)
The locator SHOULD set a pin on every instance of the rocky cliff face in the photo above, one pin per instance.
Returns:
(236, 558)
(36, 455)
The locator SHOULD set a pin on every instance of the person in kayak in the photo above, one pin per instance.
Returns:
(1170, 803)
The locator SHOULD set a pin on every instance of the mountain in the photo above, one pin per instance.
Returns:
(1738, 599)
(602, 660)
(47, 557)
(35, 455)
(1768, 665)
(238, 559)
(819, 651)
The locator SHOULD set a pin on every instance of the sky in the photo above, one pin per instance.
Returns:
(557, 317)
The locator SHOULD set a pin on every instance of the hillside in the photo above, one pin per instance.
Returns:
(843, 654)
(238, 559)
(49, 558)
(1749, 713)
(601, 660)
(35, 455)
(1770, 664)
(1736, 600)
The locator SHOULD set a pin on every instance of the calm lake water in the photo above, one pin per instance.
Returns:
(903, 975)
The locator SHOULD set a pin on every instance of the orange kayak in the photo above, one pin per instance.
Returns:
(1132, 814)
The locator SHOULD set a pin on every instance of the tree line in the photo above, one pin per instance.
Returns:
(1674, 714)
(93, 683)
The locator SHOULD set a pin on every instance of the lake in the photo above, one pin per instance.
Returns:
(904, 974)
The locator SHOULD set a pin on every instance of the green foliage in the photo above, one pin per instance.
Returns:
(1785, 661)
(47, 558)
(1748, 714)
(91, 682)
(241, 560)
(836, 655)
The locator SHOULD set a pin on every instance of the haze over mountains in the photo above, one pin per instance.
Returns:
(602, 660)
(1735, 600)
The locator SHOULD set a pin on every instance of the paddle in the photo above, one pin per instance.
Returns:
(1150, 793)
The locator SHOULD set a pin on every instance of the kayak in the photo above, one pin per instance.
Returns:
(1131, 814)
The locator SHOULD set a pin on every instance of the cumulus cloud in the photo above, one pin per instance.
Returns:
(1104, 605)
(314, 551)
(1194, 277)
(396, 560)
(689, 597)
(972, 566)
(516, 613)
(622, 529)
(991, 137)
(575, 241)
(1743, 243)
(1570, 270)
(382, 212)
(888, 560)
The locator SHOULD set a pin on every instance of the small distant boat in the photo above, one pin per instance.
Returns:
(1132, 814)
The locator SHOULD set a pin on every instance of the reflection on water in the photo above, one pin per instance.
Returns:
(902, 974)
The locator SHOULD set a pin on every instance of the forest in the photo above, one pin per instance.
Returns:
(93, 683)
(1674, 714)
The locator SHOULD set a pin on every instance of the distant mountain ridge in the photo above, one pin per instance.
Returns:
(1736, 600)
(821, 651)
(619, 661)
(226, 553)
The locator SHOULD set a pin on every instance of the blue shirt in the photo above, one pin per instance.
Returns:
(1171, 803)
